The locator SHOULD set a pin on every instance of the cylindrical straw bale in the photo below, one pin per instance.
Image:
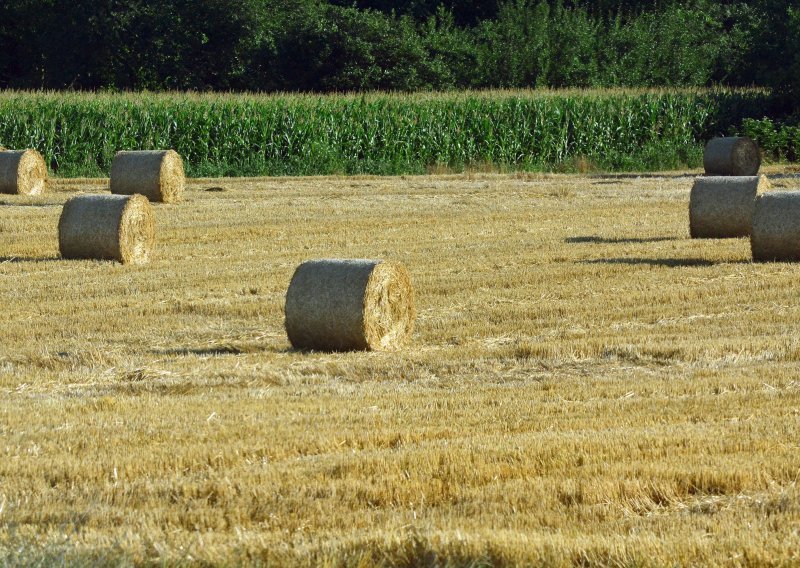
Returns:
(346, 305)
(776, 227)
(158, 175)
(23, 172)
(721, 207)
(107, 227)
(731, 156)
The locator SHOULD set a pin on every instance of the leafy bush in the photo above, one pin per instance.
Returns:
(778, 141)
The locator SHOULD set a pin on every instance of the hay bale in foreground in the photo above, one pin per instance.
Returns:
(158, 175)
(731, 156)
(721, 207)
(343, 305)
(776, 227)
(107, 227)
(22, 172)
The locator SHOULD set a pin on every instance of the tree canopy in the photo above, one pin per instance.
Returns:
(311, 45)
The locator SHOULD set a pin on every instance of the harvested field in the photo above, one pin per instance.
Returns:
(586, 385)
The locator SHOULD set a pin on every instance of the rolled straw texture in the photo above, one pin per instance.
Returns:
(347, 305)
(776, 227)
(158, 175)
(107, 227)
(721, 207)
(731, 156)
(22, 172)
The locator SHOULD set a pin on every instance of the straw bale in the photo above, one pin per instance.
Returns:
(721, 207)
(731, 156)
(343, 305)
(776, 227)
(158, 175)
(107, 227)
(22, 172)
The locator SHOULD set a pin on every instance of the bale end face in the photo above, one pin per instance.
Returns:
(107, 227)
(344, 305)
(136, 231)
(389, 310)
(173, 177)
(22, 172)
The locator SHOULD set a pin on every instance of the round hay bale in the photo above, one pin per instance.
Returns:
(107, 227)
(346, 305)
(22, 172)
(158, 175)
(731, 156)
(721, 207)
(776, 227)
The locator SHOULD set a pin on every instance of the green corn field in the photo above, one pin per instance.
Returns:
(248, 135)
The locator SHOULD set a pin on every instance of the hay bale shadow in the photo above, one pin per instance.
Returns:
(219, 350)
(19, 259)
(8, 203)
(666, 262)
(619, 176)
(788, 175)
(594, 239)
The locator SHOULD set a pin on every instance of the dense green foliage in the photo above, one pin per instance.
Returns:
(317, 46)
(343, 45)
(273, 135)
(778, 141)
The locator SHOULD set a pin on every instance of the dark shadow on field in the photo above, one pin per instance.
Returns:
(20, 259)
(610, 179)
(215, 350)
(783, 176)
(5, 203)
(641, 176)
(667, 262)
(617, 240)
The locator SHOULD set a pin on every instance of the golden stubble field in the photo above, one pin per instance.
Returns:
(586, 385)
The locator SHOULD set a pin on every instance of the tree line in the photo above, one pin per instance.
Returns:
(411, 45)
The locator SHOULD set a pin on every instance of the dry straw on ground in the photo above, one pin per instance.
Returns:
(731, 156)
(343, 305)
(107, 227)
(721, 207)
(776, 227)
(22, 172)
(585, 386)
(158, 175)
